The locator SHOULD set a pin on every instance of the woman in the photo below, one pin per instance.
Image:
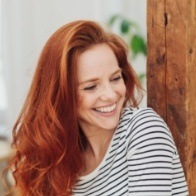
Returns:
(78, 132)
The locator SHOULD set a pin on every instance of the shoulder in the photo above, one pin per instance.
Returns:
(144, 126)
(136, 116)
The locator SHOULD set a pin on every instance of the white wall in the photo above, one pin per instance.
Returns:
(27, 24)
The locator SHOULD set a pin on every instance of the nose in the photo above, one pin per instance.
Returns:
(108, 93)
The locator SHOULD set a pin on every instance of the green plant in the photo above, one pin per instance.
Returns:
(131, 32)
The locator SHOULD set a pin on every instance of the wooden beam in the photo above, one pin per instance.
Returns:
(156, 56)
(171, 84)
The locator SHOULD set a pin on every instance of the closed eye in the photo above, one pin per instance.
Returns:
(90, 88)
(115, 79)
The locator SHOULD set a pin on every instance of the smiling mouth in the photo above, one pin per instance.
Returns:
(107, 109)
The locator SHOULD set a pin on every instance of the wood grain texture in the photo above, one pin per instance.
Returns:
(190, 149)
(171, 74)
(176, 71)
(156, 57)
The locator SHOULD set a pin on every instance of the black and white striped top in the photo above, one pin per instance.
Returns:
(141, 160)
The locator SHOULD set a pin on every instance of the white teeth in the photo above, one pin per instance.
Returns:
(106, 109)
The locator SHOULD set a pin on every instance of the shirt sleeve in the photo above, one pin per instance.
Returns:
(153, 161)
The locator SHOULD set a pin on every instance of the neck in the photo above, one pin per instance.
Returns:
(98, 144)
(96, 149)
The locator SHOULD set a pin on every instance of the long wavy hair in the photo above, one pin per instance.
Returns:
(46, 137)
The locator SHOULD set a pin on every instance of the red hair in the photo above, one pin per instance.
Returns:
(46, 135)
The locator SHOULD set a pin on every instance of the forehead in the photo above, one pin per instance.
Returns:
(97, 61)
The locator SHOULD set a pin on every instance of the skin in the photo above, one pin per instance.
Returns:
(101, 92)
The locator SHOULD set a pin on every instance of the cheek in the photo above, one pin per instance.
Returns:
(84, 102)
(81, 102)
(122, 89)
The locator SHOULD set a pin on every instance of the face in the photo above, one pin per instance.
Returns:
(101, 89)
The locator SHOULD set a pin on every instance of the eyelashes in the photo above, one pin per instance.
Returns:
(92, 88)
(116, 78)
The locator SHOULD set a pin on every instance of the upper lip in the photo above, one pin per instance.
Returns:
(109, 105)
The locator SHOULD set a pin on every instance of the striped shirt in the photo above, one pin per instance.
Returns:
(141, 160)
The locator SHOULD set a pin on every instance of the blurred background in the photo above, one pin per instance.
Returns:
(25, 26)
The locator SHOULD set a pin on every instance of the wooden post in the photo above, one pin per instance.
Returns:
(171, 74)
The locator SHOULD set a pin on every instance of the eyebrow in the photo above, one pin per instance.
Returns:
(95, 79)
